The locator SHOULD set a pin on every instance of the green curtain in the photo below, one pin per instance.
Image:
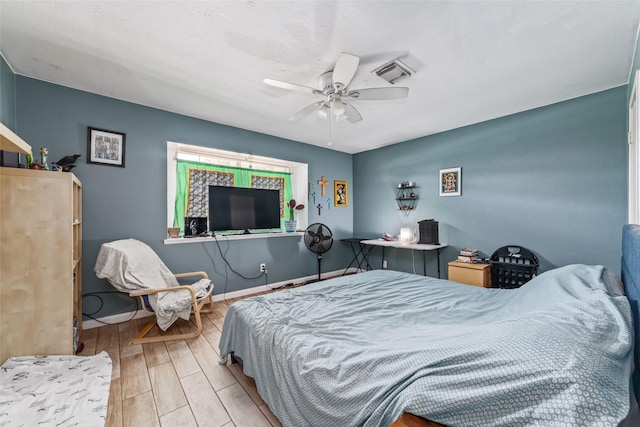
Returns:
(241, 178)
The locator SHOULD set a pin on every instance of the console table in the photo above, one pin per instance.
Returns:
(414, 246)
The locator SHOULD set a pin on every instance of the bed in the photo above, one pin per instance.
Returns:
(363, 350)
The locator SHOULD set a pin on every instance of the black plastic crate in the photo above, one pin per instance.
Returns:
(512, 266)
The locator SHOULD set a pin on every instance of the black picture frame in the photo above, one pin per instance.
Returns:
(105, 147)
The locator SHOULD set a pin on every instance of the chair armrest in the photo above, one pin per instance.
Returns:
(193, 273)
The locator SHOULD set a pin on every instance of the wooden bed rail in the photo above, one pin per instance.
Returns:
(408, 420)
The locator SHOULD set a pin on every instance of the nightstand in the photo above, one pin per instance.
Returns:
(475, 274)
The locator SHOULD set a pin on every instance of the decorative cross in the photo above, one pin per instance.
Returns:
(319, 208)
(322, 183)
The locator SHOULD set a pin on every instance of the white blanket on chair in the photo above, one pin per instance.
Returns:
(170, 306)
(130, 265)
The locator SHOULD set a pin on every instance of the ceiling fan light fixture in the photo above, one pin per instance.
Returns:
(394, 70)
(337, 95)
(337, 107)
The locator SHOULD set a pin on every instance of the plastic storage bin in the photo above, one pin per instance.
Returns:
(512, 266)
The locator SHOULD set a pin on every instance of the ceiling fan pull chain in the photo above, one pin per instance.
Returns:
(330, 119)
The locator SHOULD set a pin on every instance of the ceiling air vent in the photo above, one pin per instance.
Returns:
(393, 71)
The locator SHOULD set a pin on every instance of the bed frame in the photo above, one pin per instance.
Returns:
(409, 420)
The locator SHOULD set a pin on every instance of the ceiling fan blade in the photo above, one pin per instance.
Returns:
(378, 93)
(352, 114)
(292, 86)
(344, 70)
(309, 109)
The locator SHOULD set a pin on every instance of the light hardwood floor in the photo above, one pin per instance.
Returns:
(176, 383)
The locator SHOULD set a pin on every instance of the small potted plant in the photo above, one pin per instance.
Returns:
(290, 225)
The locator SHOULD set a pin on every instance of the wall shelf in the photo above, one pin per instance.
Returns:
(9, 141)
(406, 197)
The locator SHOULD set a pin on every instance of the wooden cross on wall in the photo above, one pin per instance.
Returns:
(322, 183)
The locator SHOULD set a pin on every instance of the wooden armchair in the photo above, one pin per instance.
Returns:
(133, 267)
(196, 309)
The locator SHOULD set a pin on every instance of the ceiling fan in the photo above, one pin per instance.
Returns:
(336, 94)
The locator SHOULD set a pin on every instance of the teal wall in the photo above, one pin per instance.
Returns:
(131, 202)
(553, 180)
(7, 96)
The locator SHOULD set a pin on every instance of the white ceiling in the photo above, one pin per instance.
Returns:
(475, 60)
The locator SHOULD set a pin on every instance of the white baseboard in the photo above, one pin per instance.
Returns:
(113, 319)
(123, 317)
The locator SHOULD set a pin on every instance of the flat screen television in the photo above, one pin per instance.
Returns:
(246, 209)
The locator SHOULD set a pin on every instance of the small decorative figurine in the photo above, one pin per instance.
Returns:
(44, 153)
(66, 163)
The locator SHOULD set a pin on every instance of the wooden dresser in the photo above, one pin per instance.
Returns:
(470, 273)
(40, 262)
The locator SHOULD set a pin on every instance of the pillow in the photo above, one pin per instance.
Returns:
(614, 283)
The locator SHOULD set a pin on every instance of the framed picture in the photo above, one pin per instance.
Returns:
(105, 147)
(340, 193)
(450, 182)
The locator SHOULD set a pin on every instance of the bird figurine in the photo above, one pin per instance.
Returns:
(66, 163)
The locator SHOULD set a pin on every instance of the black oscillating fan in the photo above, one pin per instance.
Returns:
(318, 238)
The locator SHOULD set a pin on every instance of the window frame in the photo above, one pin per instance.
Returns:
(634, 151)
(299, 174)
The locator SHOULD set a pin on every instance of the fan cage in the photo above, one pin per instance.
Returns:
(318, 238)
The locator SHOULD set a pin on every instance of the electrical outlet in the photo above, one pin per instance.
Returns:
(384, 263)
(263, 267)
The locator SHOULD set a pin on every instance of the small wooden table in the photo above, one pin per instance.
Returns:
(476, 274)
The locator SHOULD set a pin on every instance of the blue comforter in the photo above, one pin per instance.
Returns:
(359, 350)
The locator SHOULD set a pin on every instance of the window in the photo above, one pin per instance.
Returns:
(191, 169)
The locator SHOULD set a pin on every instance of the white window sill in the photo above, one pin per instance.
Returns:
(181, 240)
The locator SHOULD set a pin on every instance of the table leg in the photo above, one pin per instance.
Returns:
(424, 261)
(356, 257)
(354, 260)
(365, 251)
